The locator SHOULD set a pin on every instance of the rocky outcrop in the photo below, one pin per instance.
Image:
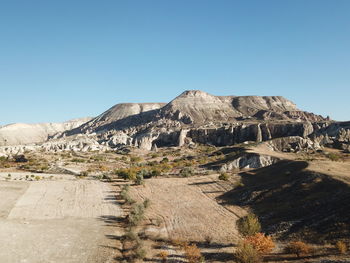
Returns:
(249, 160)
(79, 143)
(336, 135)
(292, 144)
(241, 132)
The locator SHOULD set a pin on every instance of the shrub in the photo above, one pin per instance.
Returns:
(246, 253)
(136, 214)
(125, 194)
(37, 178)
(333, 157)
(132, 236)
(164, 160)
(135, 159)
(139, 179)
(140, 252)
(77, 160)
(341, 247)
(126, 174)
(146, 203)
(186, 172)
(163, 255)
(179, 243)
(224, 176)
(193, 254)
(106, 177)
(249, 225)
(298, 248)
(263, 244)
(84, 174)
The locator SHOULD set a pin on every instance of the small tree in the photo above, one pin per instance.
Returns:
(298, 248)
(262, 243)
(249, 225)
(246, 253)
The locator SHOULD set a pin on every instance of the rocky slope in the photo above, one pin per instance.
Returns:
(21, 133)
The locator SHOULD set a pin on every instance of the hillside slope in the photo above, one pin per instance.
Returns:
(22, 133)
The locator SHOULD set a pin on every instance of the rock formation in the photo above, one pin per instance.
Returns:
(198, 117)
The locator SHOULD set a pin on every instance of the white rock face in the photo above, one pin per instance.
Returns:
(79, 143)
(249, 160)
(21, 133)
(118, 112)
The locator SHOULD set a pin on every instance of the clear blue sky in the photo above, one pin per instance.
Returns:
(66, 59)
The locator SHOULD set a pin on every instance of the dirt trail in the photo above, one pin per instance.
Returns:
(57, 221)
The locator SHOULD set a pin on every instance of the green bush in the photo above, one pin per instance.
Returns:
(125, 194)
(249, 225)
(139, 179)
(186, 172)
(333, 157)
(224, 176)
(164, 160)
(135, 159)
(136, 214)
(246, 253)
(126, 174)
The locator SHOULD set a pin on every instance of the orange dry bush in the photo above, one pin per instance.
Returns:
(298, 248)
(193, 254)
(263, 244)
(341, 247)
(163, 255)
(179, 243)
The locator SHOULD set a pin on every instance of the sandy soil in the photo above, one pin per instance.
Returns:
(57, 221)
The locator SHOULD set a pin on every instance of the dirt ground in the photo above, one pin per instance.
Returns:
(336, 169)
(61, 220)
(188, 211)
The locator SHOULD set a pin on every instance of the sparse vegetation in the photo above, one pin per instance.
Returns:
(193, 254)
(298, 248)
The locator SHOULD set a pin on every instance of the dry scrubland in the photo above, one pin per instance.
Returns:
(70, 207)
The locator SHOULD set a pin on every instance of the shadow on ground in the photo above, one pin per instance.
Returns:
(291, 201)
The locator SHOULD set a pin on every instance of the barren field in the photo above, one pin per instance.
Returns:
(56, 221)
(189, 212)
